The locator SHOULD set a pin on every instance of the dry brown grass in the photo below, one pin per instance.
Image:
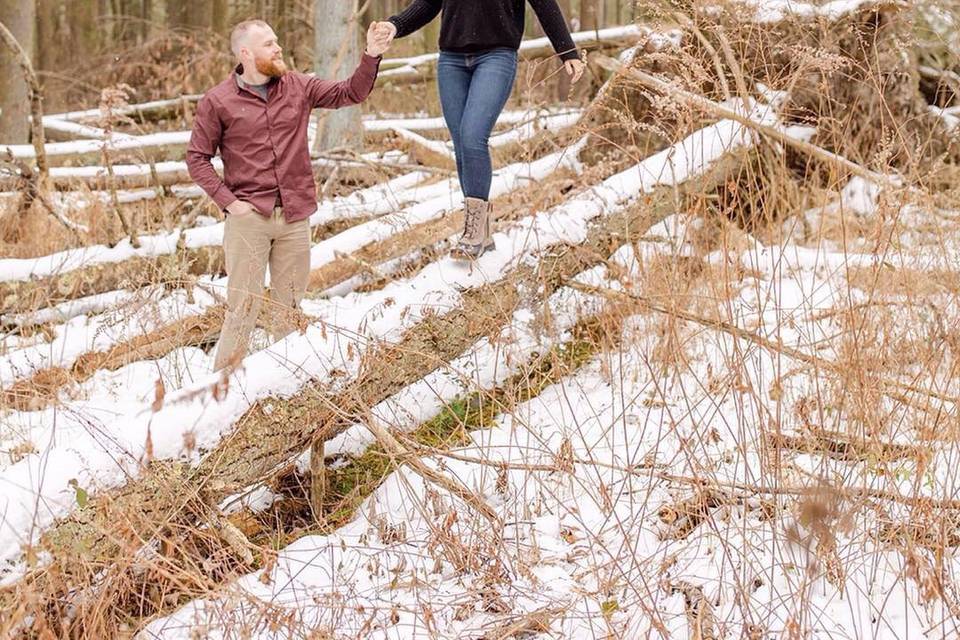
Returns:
(886, 372)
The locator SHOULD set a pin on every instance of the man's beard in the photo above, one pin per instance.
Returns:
(271, 67)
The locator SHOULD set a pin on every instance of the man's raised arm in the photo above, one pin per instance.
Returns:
(333, 94)
(330, 94)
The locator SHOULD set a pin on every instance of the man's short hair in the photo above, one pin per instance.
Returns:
(241, 30)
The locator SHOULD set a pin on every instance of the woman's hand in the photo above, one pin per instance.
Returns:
(574, 69)
(389, 28)
(379, 37)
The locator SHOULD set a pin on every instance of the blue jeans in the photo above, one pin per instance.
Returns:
(474, 87)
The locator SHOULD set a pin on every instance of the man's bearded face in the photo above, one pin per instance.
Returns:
(267, 53)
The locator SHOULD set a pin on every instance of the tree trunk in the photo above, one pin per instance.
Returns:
(184, 14)
(146, 19)
(590, 14)
(336, 55)
(20, 18)
(21, 57)
(221, 17)
(81, 26)
(48, 36)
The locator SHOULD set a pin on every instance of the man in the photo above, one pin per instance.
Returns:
(258, 118)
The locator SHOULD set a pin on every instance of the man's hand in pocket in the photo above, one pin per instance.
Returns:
(240, 208)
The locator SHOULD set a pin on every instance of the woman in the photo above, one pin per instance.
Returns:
(479, 40)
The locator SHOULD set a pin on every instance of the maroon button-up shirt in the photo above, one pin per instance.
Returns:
(263, 143)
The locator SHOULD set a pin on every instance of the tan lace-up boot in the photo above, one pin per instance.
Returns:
(476, 239)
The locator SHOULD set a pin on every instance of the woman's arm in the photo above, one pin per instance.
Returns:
(555, 26)
(417, 15)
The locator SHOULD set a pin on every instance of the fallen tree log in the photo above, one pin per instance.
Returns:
(23, 295)
(201, 254)
(527, 361)
(168, 149)
(331, 267)
(41, 389)
(429, 152)
(144, 112)
(273, 431)
(65, 131)
(156, 147)
(28, 295)
(402, 70)
(161, 174)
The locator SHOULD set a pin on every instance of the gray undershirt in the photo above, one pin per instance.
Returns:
(259, 89)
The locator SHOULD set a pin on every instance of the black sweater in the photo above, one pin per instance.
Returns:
(469, 26)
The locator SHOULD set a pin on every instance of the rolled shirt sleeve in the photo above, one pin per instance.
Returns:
(333, 94)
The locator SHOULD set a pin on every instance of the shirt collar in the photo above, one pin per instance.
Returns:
(238, 72)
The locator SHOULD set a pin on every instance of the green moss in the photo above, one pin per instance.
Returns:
(348, 485)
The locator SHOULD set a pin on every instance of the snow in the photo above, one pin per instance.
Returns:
(65, 311)
(582, 476)
(316, 566)
(36, 490)
(768, 11)
(590, 546)
(83, 334)
(375, 200)
(395, 570)
(589, 549)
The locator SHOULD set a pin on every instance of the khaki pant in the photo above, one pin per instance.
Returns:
(250, 243)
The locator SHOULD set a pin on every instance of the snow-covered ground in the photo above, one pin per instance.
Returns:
(105, 455)
(646, 494)
(589, 478)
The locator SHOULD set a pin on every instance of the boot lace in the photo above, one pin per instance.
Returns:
(471, 224)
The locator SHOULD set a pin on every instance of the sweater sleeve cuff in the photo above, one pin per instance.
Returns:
(570, 55)
(398, 23)
(369, 60)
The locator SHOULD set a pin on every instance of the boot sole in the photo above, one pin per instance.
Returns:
(460, 254)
